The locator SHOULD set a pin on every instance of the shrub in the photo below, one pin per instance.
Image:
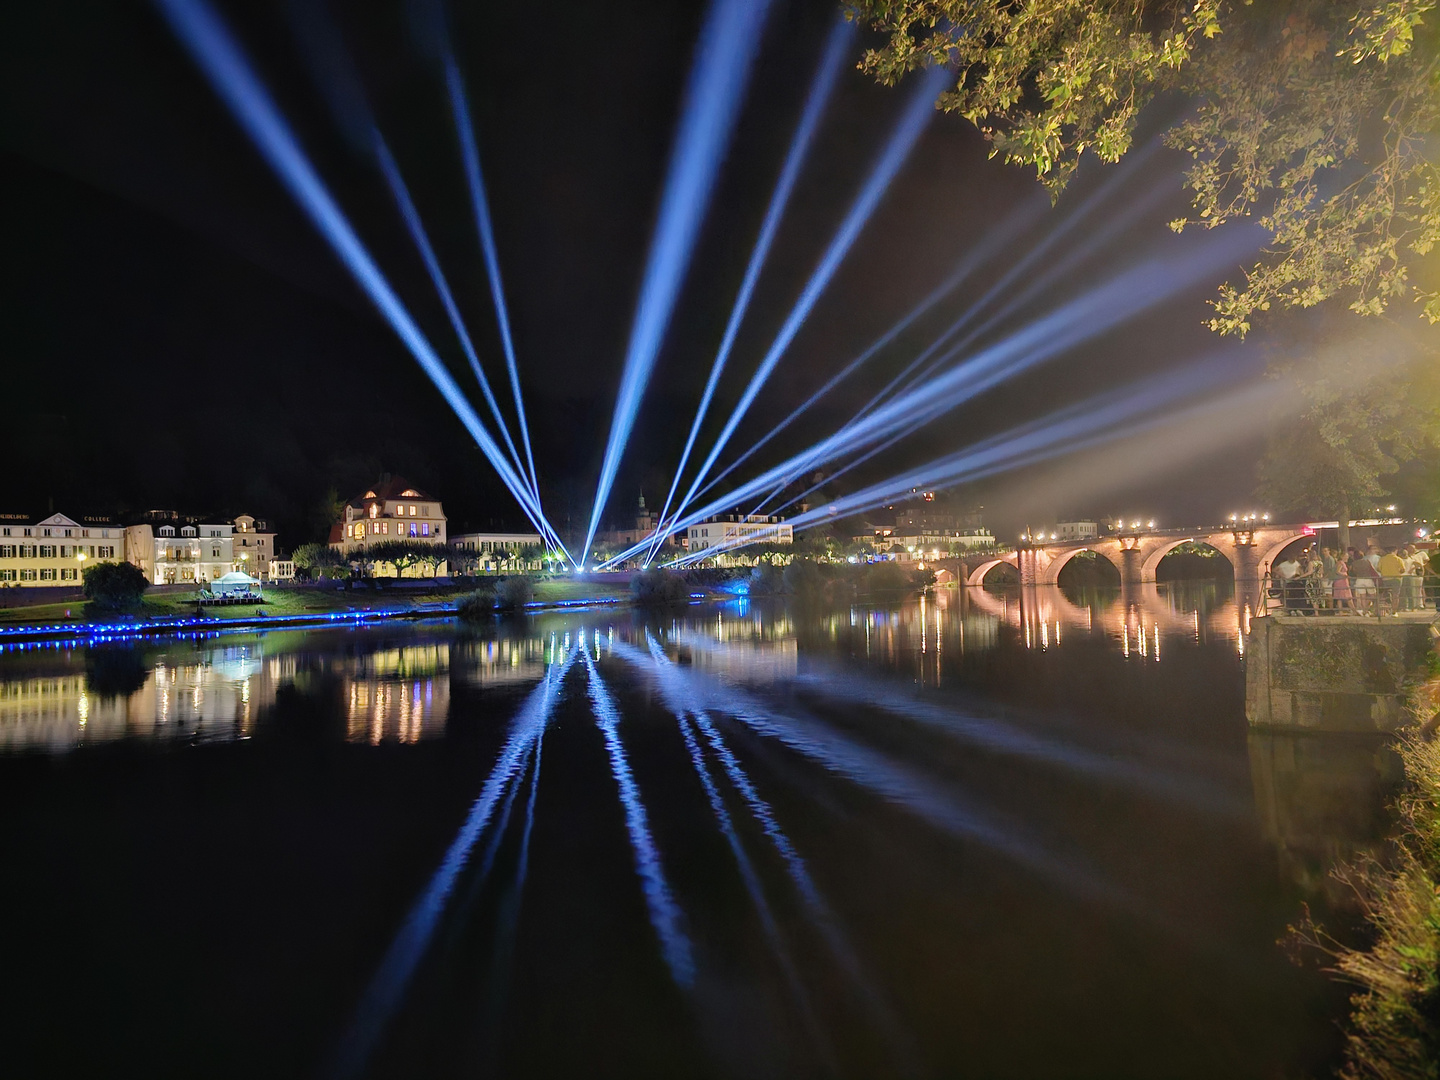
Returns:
(659, 587)
(115, 586)
(479, 604)
(766, 580)
(514, 593)
(805, 579)
(887, 577)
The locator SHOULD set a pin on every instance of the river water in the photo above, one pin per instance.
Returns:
(975, 834)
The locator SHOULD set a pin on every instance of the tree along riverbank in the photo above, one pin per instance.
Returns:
(1394, 1028)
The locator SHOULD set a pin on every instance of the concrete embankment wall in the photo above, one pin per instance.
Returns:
(1342, 674)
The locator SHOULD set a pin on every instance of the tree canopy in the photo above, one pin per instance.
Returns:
(1311, 116)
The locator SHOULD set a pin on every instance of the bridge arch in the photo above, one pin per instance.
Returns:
(1274, 548)
(1051, 574)
(1151, 562)
(977, 576)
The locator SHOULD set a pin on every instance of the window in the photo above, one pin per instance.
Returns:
(412, 511)
(29, 533)
(425, 529)
(412, 530)
(28, 575)
(45, 532)
(385, 527)
(48, 574)
(374, 510)
(64, 552)
(7, 551)
(68, 574)
(47, 551)
(215, 551)
(6, 532)
(424, 511)
(107, 552)
(27, 551)
(7, 575)
(67, 532)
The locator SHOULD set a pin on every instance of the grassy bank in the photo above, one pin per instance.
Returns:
(301, 601)
(1394, 1031)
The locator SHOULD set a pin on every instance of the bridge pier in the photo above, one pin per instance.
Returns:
(1132, 568)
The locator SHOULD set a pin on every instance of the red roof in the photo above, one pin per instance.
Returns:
(395, 487)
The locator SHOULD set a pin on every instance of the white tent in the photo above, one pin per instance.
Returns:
(235, 584)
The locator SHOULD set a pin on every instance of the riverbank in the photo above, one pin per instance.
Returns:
(290, 607)
(1394, 1030)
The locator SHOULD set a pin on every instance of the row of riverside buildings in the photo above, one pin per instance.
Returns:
(53, 551)
(170, 549)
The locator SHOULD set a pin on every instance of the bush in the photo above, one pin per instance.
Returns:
(115, 586)
(766, 580)
(805, 579)
(659, 587)
(887, 577)
(514, 593)
(479, 604)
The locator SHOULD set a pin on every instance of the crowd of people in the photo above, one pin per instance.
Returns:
(1383, 579)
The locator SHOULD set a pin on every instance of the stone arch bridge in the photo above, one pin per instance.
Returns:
(1136, 555)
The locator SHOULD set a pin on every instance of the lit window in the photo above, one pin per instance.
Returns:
(425, 529)
(374, 509)
(385, 527)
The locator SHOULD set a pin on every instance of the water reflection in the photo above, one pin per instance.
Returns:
(806, 829)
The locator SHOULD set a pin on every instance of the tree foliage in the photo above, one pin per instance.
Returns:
(1356, 408)
(1311, 116)
(321, 560)
(114, 586)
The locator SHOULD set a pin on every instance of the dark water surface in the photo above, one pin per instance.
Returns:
(971, 835)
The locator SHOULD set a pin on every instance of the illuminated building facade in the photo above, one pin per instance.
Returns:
(489, 552)
(738, 530)
(392, 510)
(179, 555)
(254, 547)
(54, 550)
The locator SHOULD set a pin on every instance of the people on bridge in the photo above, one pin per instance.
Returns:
(1364, 580)
(1339, 572)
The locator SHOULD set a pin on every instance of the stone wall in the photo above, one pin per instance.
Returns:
(1349, 674)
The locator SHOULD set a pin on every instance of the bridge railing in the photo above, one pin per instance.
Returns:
(1357, 596)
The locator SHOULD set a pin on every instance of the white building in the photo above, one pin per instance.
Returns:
(254, 547)
(54, 550)
(492, 551)
(731, 531)
(391, 510)
(193, 553)
(1075, 530)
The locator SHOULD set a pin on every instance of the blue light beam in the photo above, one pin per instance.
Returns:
(665, 915)
(411, 216)
(387, 988)
(470, 155)
(200, 30)
(971, 261)
(913, 122)
(815, 103)
(728, 44)
(1086, 316)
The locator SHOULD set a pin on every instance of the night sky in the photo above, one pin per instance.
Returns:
(178, 335)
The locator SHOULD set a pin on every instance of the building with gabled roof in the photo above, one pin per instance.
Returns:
(54, 550)
(391, 509)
